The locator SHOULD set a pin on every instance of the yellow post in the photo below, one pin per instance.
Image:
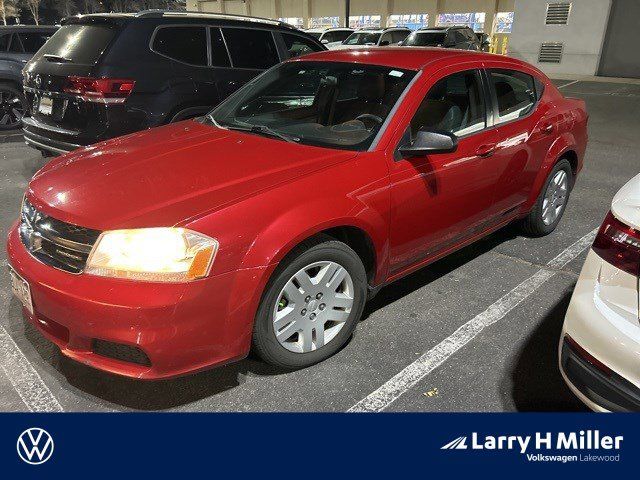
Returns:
(492, 47)
(505, 41)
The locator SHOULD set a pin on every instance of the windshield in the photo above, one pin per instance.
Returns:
(424, 39)
(328, 104)
(362, 38)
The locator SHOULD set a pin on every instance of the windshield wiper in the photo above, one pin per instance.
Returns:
(57, 58)
(263, 130)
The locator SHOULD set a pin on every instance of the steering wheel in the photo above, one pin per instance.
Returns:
(365, 117)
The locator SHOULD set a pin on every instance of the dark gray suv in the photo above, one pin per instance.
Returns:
(18, 43)
(461, 37)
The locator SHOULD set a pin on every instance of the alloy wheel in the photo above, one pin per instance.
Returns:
(11, 109)
(555, 197)
(313, 306)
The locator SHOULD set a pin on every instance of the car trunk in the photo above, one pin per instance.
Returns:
(74, 51)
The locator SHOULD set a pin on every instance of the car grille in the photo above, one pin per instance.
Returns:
(62, 245)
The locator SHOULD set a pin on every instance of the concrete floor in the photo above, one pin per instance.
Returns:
(510, 365)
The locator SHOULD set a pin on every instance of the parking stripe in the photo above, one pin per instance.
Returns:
(25, 379)
(567, 84)
(425, 364)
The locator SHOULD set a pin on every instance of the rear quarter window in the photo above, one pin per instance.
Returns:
(81, 44)
(184, 44)
(254, 49)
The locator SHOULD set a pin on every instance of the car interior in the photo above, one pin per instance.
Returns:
(343, 106)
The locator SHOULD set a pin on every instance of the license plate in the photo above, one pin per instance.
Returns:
(21, 289)
(46, 105)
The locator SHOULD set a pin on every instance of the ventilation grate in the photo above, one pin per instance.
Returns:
(550, 53)
(558, 13)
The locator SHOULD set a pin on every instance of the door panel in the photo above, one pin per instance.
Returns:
(522, 142)
(440, 200)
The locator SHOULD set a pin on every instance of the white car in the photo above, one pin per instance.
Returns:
(330, 36)
(600, 344)
(372, 37)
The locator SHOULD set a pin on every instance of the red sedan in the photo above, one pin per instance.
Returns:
(267, 224)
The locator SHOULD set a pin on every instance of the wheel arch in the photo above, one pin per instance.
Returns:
(564, 147)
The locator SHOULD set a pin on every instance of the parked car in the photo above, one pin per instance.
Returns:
(269, 222)
(17, 44)
(601, 333)
(330, 36)
(459, 37)
(485, 41)
(105, 75)
(379, 37)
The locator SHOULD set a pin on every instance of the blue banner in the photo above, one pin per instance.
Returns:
(313, 445)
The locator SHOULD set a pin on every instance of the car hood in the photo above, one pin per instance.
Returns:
(626, 203)
(167, 175)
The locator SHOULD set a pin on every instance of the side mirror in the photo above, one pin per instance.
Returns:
(324, 41)
(401, 43)
(384, 43)
(430, 141)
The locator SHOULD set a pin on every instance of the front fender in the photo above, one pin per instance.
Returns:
(308, 219)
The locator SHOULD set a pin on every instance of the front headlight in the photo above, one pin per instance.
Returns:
(152, 254)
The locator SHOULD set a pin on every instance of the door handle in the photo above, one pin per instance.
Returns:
(486, 150)
(547, 128)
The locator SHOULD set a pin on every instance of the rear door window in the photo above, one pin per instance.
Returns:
(31, 42)
(514, 92)
(297, 45)
(219, 55)
(4, 42)
(184, 44)
(80, 44)
(15, 46)
(249, 48)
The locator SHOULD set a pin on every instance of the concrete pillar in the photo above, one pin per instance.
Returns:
(490, 18)
(306, 13)
(385, 11)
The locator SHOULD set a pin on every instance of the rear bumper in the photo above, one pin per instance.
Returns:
(603, 321)
(179, 327)
(42, 142)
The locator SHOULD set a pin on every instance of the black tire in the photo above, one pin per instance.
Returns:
(533, 224)
(13, 106)
(324, 248)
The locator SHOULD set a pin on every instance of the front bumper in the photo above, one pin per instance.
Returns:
(603, 321)
(180, 327)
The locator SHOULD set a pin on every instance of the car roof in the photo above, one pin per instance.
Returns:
(410, 58)
(173, 15)
(28, 28)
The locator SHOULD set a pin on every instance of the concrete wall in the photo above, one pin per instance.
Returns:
(307, 9)
(583, 36)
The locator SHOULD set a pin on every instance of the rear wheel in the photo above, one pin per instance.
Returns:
(311, 306)
(550, 205)
(12, 107)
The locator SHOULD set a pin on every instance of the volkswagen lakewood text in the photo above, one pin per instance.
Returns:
(267, 224)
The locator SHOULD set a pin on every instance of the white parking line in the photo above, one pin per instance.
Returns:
(567, 84)
(425, 364)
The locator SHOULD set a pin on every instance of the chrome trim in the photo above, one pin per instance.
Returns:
(33, 143)
(32, 122)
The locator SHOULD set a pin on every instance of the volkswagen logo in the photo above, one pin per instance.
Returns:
(35, 446)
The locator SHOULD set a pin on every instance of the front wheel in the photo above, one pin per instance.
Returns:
(311, 305)
(550, 205)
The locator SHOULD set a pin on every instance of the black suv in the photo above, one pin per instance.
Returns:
(105, 75)
(460, 37)
(17, 45)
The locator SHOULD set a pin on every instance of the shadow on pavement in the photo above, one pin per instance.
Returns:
(535, 383)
